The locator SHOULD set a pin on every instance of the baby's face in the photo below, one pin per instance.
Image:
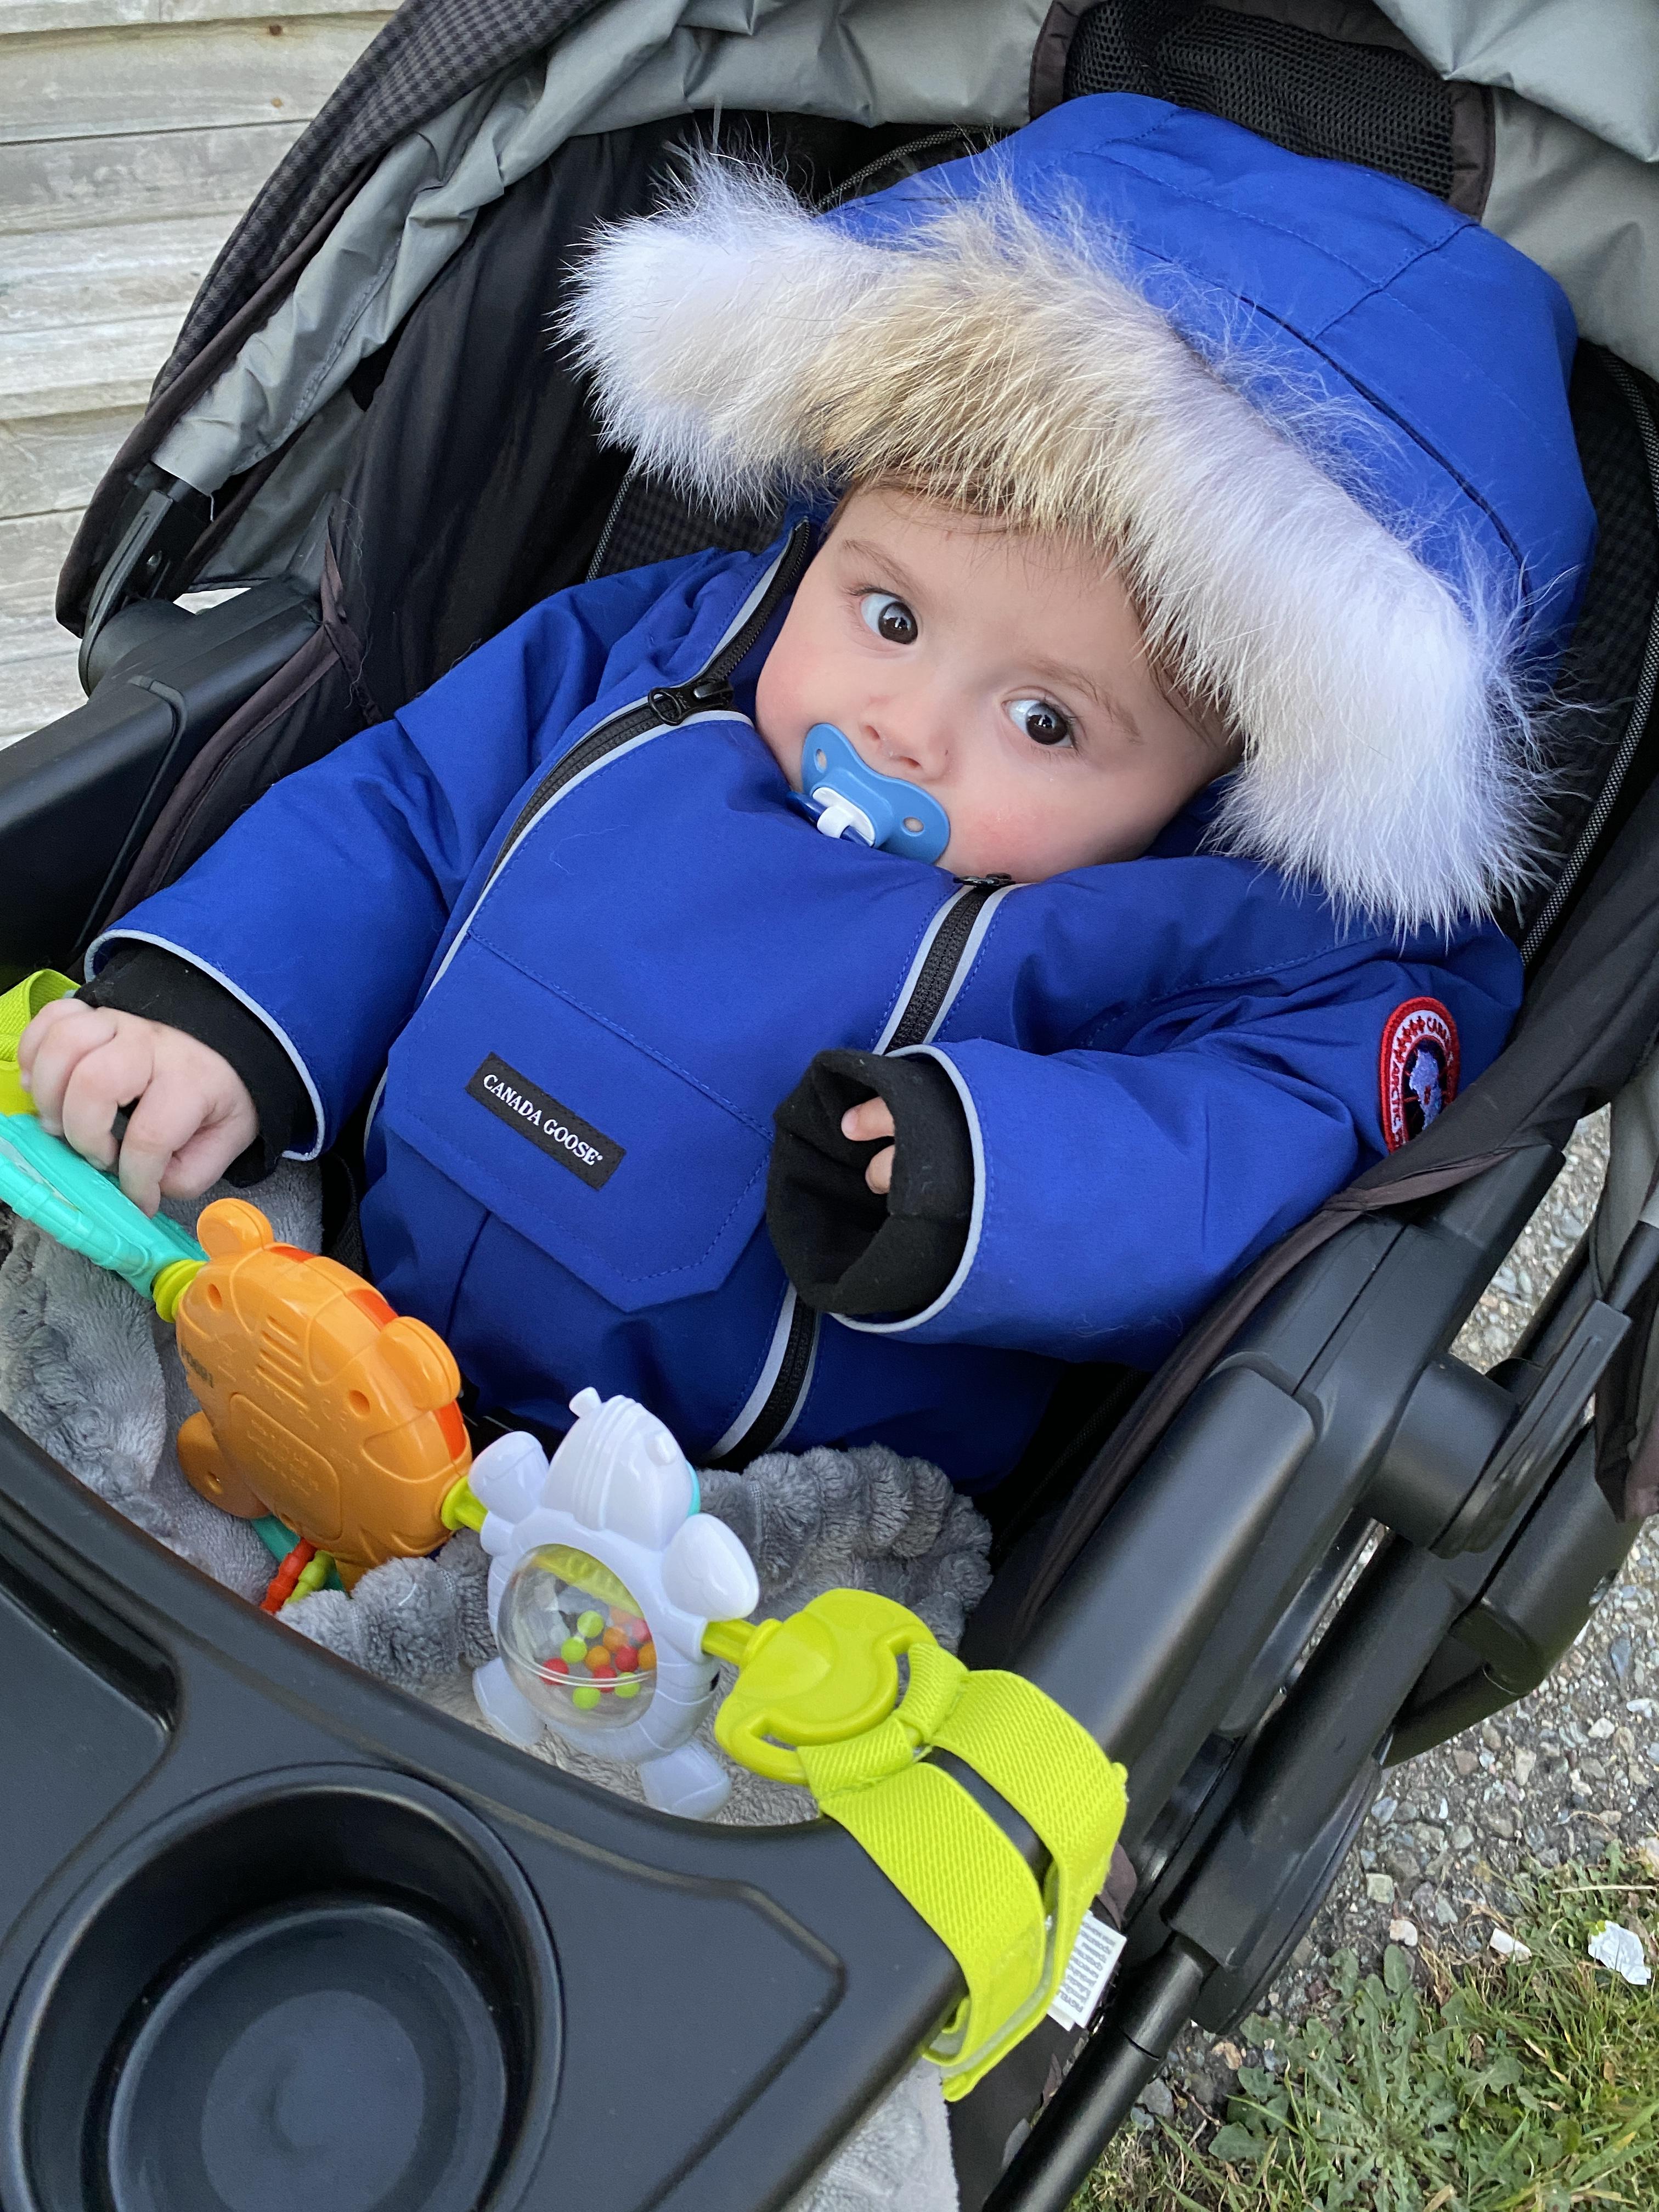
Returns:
(1005, 675)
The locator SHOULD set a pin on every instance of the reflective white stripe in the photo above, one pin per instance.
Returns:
(644, 738)
(906, 989)
(375, 1103)
(605, 759)
(762, 587)
(771, 1367)
(969, 953)
(706, 714)
(976, 1219)
(195, 960)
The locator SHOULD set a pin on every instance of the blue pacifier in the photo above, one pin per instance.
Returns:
(854, 799)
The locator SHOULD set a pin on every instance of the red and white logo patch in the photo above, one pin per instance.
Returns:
(1418, 1067)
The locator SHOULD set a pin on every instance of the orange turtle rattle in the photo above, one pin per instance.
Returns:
(319, 1403)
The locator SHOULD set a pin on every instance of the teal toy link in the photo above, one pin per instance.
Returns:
(79, 1206)
(854, 799)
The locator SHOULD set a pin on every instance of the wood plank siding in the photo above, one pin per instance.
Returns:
(133, 134)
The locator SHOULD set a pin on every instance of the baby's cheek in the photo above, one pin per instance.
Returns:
(782, 711)
(994, 837)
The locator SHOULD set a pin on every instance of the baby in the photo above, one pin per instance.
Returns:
(1114, 575)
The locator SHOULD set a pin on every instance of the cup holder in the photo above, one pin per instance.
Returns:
(333, 1990)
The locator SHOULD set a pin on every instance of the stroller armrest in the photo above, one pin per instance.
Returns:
(77, 798)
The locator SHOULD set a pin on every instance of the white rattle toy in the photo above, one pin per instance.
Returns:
(604, 1575)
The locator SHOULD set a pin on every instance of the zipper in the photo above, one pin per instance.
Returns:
(668, 706)
(915, 1024)
(929, 996)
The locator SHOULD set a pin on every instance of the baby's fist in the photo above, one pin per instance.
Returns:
(190, 1114)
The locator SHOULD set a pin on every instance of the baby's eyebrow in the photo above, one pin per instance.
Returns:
(1078, 679)
(878, 558)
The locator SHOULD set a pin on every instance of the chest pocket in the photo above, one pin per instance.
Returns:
(626, 1170)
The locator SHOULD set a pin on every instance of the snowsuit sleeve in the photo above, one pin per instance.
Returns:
(323, 908)
(1118, 1187)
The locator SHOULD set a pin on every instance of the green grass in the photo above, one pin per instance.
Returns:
(1473, 2086)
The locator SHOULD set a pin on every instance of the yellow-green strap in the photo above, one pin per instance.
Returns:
(959, 1871)
(18, 1008)
(1052, 1771)
(951, 1860)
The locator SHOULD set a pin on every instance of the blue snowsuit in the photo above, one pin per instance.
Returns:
(569, 906)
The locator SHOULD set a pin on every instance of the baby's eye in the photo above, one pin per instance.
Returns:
(890, 618)
(1043, 723)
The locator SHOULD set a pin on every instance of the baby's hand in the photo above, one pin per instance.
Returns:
(867, 1125)
(191, 1113)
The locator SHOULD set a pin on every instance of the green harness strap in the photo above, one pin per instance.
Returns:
(940, 1848)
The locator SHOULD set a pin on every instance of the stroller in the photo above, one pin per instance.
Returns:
(361, 433)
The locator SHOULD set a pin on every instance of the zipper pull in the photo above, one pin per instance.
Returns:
(672, 702)
(984, 883)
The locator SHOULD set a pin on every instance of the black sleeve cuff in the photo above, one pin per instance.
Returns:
(845, 1250)
(143, 978)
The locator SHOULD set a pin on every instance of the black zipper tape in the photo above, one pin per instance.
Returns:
(943, 957)
(670, 704)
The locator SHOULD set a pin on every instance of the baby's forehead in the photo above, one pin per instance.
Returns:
(1053, 574)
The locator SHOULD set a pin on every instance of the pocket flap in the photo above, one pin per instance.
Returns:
(623, 1168)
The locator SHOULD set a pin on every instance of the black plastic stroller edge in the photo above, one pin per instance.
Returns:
(1259, 1474)
(77, 797)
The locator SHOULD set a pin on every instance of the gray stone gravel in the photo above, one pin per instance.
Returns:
(1553, 1778)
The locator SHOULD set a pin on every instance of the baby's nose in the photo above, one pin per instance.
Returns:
(911, 743)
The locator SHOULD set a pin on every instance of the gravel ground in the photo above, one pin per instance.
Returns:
(1554, 1778)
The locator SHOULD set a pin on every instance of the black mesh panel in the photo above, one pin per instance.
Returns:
(652, 522)
(1372, 105)
(1600, 762)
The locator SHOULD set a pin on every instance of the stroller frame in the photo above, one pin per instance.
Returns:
(1182, 1579)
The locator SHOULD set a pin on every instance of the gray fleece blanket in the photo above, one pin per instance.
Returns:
(88, 1372)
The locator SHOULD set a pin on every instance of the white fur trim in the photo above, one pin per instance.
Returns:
(742, 348)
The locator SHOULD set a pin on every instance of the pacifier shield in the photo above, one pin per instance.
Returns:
(854, 799)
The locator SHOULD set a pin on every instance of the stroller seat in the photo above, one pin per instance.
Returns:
(1175, 1557)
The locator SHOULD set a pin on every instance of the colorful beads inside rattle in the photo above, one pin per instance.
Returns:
(574, 1640)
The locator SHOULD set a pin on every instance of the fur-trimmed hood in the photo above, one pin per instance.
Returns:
(1320, 420)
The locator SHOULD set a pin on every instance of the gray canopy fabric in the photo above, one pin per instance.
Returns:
(1575, 95)
(1594, 61)
(429, 54)
(1589, 214)
(1575, 158)
(913, 61)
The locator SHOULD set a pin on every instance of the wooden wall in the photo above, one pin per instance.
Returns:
(133, 133)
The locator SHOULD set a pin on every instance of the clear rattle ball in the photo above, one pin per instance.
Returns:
(575, 1642)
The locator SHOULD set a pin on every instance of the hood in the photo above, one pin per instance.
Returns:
(1319, 420)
